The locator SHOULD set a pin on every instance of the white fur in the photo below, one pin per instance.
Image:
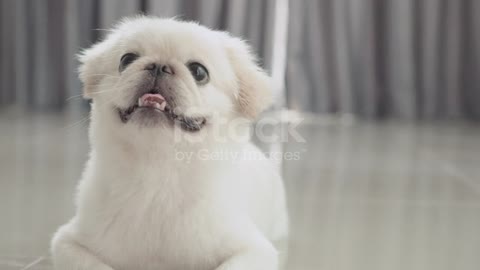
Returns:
(141, 207)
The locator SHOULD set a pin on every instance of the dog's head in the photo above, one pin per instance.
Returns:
(158, 73)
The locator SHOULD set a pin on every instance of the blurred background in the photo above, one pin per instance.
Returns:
(388, 92)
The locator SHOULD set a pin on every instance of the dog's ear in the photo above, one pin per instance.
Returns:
(255, 87)
(93, 66)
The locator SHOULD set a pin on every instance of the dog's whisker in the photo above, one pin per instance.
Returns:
(74, 97)
(79, 122)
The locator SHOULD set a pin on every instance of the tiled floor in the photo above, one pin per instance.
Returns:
(390, 195)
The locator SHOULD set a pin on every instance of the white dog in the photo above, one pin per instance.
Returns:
(161, 87)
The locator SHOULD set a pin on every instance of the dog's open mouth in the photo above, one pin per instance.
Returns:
(155, 103)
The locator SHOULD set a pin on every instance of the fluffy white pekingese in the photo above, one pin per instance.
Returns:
(163, 91)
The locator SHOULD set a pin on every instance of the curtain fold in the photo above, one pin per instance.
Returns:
(413, 59)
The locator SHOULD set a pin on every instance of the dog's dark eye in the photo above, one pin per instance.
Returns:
(199, 72)
(126, 60)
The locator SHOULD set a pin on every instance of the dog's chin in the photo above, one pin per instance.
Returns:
(147, 116)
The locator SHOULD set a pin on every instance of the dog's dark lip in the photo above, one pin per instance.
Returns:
(187, 123)
(192, 124)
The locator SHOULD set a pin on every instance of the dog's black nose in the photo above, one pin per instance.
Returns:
(157, 70)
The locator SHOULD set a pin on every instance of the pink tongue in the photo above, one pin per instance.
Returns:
(152, 100)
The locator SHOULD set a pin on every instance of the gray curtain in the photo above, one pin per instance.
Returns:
(39, 39)
(373, 58)
(406, 58)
